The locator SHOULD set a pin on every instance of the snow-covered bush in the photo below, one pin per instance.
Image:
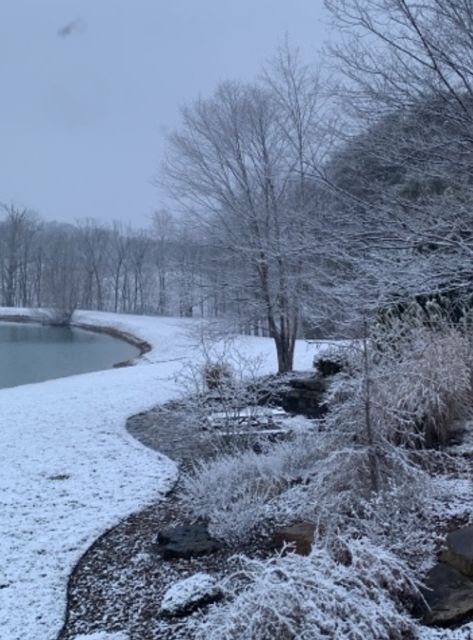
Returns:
(238, 493)
(328, 367)
(225, 383)
(353, 590)
(332, 360)
(321, 477)
(217, 375)
(408, 385)
(421, 379)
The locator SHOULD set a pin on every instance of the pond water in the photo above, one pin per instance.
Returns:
(34, 353)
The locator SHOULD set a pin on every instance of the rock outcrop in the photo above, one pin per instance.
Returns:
(449, 584)
(185, 542)
(305, 397)
(449, 595)
(458, 551)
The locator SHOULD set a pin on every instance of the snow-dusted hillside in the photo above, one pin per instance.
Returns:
(69, 470)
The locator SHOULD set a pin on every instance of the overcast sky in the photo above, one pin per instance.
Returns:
(89, 86)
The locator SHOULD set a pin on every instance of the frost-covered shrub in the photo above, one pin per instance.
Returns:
(332, 360)
(223, 391)
(217, 375)
(338, 498)
(237, 493)
(413, 382)
(435, 387)
(421, 380)
(320, 477)
(353, 590)
(328, 367)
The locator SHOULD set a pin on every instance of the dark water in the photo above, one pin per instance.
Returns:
(33, 353)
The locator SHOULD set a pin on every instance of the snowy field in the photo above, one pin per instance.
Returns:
(69, 470)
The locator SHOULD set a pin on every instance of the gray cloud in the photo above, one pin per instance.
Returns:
(81, 118)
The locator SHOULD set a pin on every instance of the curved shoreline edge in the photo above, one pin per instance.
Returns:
(142, 345)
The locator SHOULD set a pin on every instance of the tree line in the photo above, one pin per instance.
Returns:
(160, 270)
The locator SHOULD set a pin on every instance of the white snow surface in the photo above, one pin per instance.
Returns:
(104, 635)
(462, 633)
(188, 592)
(69, 470)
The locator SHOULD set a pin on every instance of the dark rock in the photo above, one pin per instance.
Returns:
(185, 542)
(300, 536)
(311, 384)
(459, 550)
(327, 367)
(258, 448)
(304, 396)
(304, 402)
(448, 594)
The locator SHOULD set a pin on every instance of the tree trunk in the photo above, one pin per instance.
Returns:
(285, 352)
(372, 457)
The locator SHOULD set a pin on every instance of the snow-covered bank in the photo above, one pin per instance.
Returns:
(69, 470)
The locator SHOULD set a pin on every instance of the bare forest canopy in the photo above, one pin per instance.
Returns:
(162, 270)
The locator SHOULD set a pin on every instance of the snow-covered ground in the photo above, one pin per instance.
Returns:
(69, 470)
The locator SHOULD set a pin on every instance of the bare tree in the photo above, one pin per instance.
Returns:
(62, 271)
(93, 241)
(118, 254)
(18, 230)
(139, 249)
(163, 231)
(238, 162)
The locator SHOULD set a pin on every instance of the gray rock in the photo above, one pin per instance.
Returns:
(187, 595)
(185, 542)
(459, 550)
(305, 396)
(449, 595)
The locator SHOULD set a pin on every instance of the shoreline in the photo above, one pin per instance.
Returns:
(142, 345)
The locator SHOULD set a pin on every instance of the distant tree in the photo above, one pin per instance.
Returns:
(61, 271)
(163, 228)
(18, 230)
(139, 250)
(119, 248)
(93, 241)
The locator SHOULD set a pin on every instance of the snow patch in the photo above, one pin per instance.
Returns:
(189, 593)
(104, 635)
